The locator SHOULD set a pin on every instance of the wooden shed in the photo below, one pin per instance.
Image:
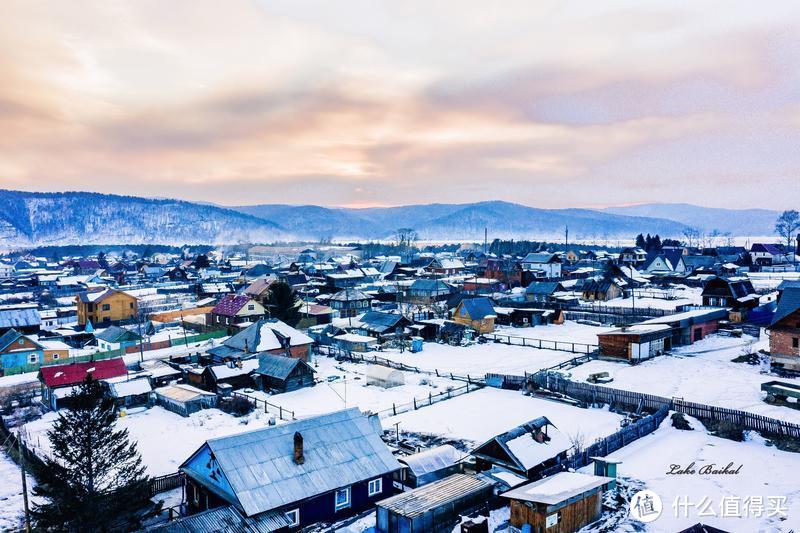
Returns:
(636, 343)
(562, 503)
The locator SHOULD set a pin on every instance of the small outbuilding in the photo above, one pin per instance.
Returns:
(282, 374)
(353, 342)
(184, 399)
(429, 466)
(383, 376)
(130, 393)
(562, 503)
(433, 508)
(636, 343)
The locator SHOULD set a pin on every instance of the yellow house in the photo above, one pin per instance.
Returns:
(106, 307)
(477, 313)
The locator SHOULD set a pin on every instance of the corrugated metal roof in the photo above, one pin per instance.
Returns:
(788, 304)
(223, 520)
(428, 497)
(15, 318)
(277, 366)
(340, 449)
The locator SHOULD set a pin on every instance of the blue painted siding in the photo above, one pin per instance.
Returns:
(21, 358)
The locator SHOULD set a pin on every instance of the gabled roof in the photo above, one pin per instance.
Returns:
(266, 334)
(99, 296)
(557, 488)
(74, 373)
(543, 287)
(788, 304)
(259, 286)
(340, 449)
(766, 248)
(349, 295)
(522, 450)
(231, 304)
(424, 284)
(116, 334)
(278, 366)
(12, 336)
(381, 321)
(478, 308)
(541, 258)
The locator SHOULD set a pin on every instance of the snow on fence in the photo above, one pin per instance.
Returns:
(631, 400)
(283, 413)
(543, 344)
(608, 445)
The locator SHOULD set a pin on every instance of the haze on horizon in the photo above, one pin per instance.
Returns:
(362, 103)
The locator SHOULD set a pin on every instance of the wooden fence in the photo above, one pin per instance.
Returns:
(167, 482)
(431, 399)
(608, 445)
(636, 401)
(283, 413)
(543, 344)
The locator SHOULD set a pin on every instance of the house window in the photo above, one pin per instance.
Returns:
(294, 516)
(56, 356)
(33, 358)
(131, 305)
(375, 487)
(21, 342)
(795, 342)
(106, 307)
(251, 307)
(342, 498)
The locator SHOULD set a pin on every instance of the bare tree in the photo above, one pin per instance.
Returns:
(786, 226)
(406, 237)
(692, 236)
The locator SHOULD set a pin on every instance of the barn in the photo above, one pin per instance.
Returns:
(636, 343)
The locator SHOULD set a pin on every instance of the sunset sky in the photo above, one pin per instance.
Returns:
(549, 104)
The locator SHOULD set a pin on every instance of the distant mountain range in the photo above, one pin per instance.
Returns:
(750, 222)
(39, 219)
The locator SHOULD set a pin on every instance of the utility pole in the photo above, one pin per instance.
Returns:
(566, 239)
(24, 484)
(485, 239)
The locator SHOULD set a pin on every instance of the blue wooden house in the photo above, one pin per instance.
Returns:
(19, 351)
(319, 469)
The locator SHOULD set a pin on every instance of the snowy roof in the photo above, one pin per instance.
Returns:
(531, 453)
(133, 387)
(340, 449)
(437, 495)
(431, 460)
(182, 393)
(558, 488)
(74, 373)
(226, 371)
(278, 366)
(352, 337)
(265, 335)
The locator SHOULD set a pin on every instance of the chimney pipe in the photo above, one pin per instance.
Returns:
(298, 449)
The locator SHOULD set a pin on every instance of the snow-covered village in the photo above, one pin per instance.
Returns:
(399, 267)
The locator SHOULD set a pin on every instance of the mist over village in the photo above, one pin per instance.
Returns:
(374, 267)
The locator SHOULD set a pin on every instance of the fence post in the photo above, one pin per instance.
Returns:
(280, 412)
(415, 404)
(394, 409)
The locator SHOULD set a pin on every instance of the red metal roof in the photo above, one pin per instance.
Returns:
(74, 373)
(230, 304)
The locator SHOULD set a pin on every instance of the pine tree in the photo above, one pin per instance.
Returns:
(94, 480)
(282, 303)
(640, 242)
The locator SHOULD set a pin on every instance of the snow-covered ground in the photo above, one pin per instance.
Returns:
(480, 415)
(765, 472)
(656, 298)
(479, 359)
(350, 389)
(164, 439)
(770, 280)
(569, 331)
(11, 505)
(703, 373)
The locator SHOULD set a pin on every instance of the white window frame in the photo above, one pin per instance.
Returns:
(33, 358)
(56, 356)
(375, 486)
(294, 516)
(339, 506)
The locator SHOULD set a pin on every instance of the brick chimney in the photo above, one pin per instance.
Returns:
(298, 449)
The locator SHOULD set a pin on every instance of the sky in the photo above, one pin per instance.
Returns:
(371, 103)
